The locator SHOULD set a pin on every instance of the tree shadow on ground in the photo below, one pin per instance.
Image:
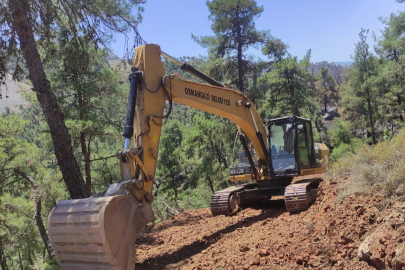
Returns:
(182, 219)
(271, 209)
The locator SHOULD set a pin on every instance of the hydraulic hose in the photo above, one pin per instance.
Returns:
(200, 75)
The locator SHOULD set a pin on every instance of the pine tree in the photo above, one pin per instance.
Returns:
(360, 97)
(19, 162)
(326, 88)
(291, 88)
(235, 32)
(78, 84)
(390, 48)
(210, 142)
(171, 157)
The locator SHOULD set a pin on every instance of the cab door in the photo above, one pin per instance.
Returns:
(304, 145)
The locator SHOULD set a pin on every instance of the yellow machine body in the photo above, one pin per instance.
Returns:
(100, 233)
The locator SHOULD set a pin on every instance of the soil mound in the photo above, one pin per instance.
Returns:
(359, 232)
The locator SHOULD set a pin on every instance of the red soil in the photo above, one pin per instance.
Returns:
(327, 236)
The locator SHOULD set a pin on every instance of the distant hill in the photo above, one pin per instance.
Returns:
(10, 91)
(112, 56)
(345, 64)
(335, 69)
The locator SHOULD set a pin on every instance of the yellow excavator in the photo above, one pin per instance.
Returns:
(100, 232)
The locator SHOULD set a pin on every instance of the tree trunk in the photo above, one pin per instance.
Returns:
(370, 113)
(172, 177)
(86, 154)
(20, 260)
(211, 184)
(240, 60)
(240, 69)
(219, 154)
(326, 90)
(401, 117)
(318, 128)
(32, 255)
(41, 228)
(87, 163)
(29, 255)
(294, 106)
(47, 99)
(37, 215)
(3, 262)
(290, 83)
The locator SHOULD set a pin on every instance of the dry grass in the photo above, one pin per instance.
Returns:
(380, 167)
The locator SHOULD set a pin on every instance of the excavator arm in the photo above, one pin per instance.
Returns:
(155, 89)
(100, 232)
(227, 103)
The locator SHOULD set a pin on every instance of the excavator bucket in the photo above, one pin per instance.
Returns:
(97, 233)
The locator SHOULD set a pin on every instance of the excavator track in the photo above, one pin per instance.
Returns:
(223, 203)
(300, 195)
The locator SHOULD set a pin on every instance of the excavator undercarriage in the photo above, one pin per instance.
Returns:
(297, 196)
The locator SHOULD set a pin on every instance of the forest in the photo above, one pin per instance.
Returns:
(62, 143)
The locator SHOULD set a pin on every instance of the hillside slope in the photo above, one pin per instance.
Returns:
(10, 94)
(327, 236)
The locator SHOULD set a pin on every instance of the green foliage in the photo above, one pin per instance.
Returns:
(391, 73)
(343, 141)
(47, 265)
(235, 32)
(274, 49)
(291, 89)
(18, 231)
(194, 158)
(334, 69)
(343, 150)
(26, 145)
(77, 20)
(88, 90)
(380, 167)
(327, 89)
(341, 133)
(211, 140)
(233, 25)
(171, 157)
(360, 95)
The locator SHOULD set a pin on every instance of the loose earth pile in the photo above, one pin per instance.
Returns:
(359, 232)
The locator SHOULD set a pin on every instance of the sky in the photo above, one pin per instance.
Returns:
(329, 28)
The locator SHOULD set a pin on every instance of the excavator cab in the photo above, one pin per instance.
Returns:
(291, 152)
(291, 147)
